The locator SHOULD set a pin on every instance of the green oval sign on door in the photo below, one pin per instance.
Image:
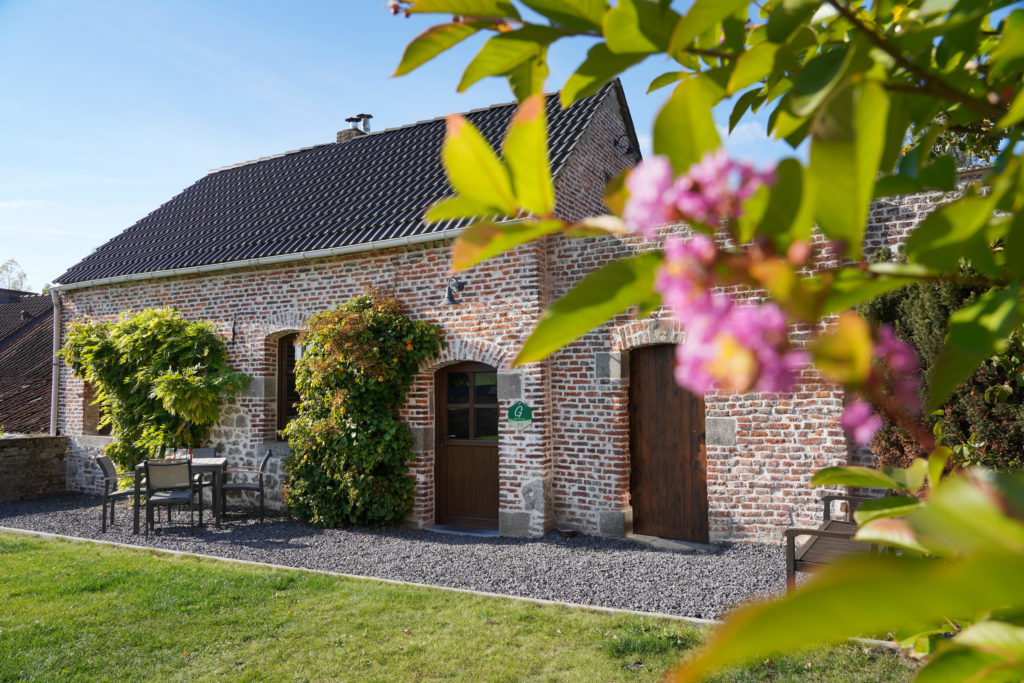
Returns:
(520, 415)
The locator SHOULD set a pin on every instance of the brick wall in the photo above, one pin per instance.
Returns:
(571, 467)
(32, 466)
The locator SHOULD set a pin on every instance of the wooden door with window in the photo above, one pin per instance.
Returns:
(467, 448)
(668, 459)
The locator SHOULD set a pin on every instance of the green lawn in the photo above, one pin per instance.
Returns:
(83, 611)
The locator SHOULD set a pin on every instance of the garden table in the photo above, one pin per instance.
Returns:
(214, 466)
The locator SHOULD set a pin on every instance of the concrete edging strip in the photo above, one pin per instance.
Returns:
(469, 591)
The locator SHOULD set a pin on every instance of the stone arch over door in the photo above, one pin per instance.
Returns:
(420, 414)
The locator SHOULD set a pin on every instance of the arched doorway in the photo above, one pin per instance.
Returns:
(668, 458)
(467, 445)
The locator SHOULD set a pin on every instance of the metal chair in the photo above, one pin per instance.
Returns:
(170, 483)
(205, 480)
(111, 493)
(256, 486)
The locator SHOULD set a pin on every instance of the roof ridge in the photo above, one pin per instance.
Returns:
(392, 129)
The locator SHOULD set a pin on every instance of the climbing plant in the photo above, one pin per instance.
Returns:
(159, 379)
(350, 451)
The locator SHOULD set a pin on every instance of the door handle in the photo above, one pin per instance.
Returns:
(452, 436)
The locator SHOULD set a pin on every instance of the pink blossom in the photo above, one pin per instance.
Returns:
(735, 348)
(712, 190)
(860, 422)
(902, 380)
(686, 272)
(648, 206)
(897, 353)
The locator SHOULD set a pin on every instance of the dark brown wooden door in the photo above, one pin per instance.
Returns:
(467, 462)
(668, 466)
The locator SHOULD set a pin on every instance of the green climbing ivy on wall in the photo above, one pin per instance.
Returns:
(350, 451)
(159, 379)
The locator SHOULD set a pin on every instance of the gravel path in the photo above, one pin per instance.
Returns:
(584, 569)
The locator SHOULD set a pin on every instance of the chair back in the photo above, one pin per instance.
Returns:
(266, 459)
(205, 452)
(168, 474)
(106, 466)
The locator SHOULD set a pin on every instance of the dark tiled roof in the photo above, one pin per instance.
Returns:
(25, 364)
(17, 311)
(368, 189)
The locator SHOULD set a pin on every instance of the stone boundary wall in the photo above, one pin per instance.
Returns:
(32, 466)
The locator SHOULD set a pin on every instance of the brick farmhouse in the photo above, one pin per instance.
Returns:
(613, 446)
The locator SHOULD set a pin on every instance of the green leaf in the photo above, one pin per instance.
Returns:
(816, 81)
(526, 153)
(970, 514)
(846, 146)
(528, 78)
(664, 79)
(1015, 245)
(852, 286)
(743, 103)
(1015, 114)
(787, 16)
(788, 214)
(894, 533)
(639, 26)
(989, 650)
(506, 51)
(937, 460)
(486, 239)
(853, 476)
(474, 170)
(684, 130)
(433, 42)
(939, 241)
(910, 478)
(596, 298)
(872, 594)
(600, 66)
(702, 16)
(578, 15)
(976, 332)
(459, 207)
(888, 506)
(844, 354)
(752, 66)
(472, 8)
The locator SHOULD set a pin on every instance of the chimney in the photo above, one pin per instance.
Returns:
(352, 131)
(366, 121)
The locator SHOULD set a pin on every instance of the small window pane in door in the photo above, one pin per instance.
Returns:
(458, 423)
(458, 388)
(487, 422)
(486, 385)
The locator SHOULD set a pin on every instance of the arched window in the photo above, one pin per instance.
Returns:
(287, 396)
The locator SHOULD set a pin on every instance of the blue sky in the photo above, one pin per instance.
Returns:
(111, 107)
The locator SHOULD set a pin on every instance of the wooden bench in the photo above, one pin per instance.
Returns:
(832, 539)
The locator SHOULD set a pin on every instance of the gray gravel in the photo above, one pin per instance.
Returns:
(583, 569)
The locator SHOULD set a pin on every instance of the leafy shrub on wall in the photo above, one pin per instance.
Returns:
(159, 379)
(350, 452)
(983, 420)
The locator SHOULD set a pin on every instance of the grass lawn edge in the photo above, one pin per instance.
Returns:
(359, 577)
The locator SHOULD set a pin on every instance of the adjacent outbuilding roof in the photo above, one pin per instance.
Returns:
(367, 189)
(26, 339)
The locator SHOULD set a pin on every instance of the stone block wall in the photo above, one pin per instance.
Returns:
(32, 466)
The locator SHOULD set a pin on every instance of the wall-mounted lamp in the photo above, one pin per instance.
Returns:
(299, 348)
(454, 285)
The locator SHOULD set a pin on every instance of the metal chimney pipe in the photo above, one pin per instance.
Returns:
(366, 121)
(352, 121)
